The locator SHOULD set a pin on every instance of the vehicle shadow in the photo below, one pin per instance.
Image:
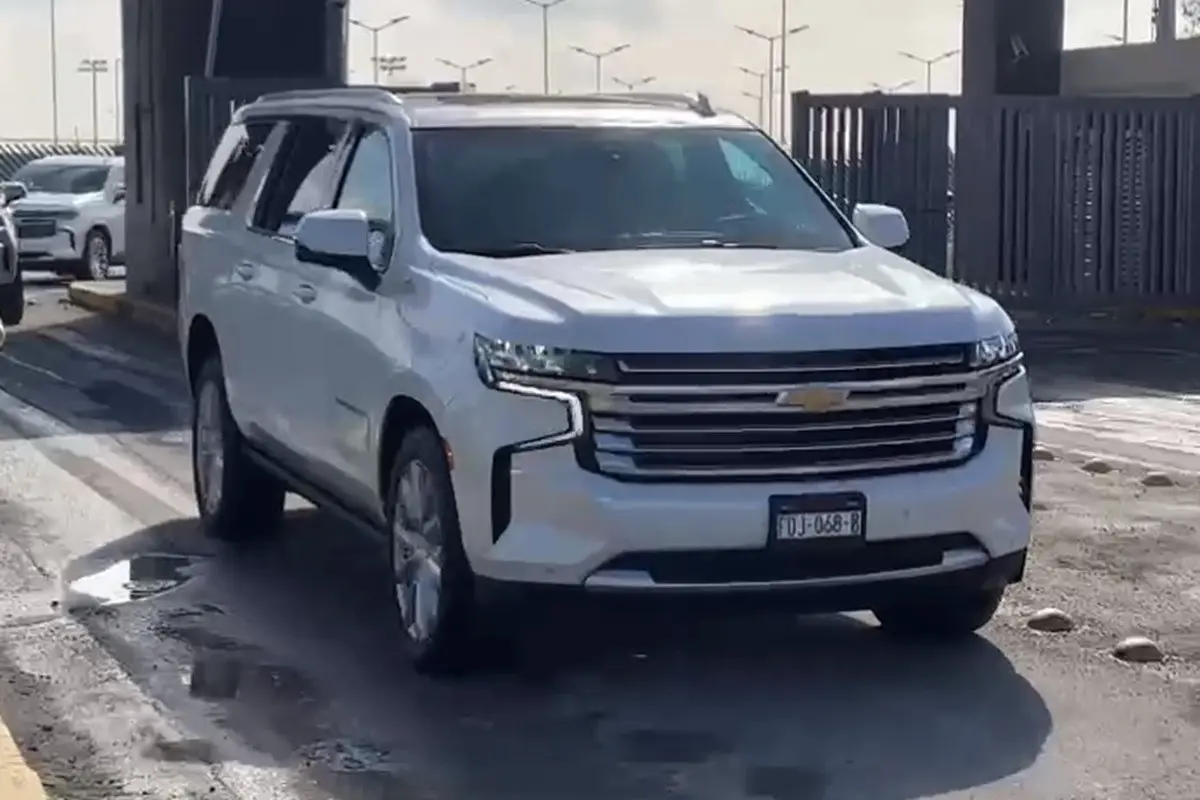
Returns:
(1074, 362)
(100, 376)
(292, 658)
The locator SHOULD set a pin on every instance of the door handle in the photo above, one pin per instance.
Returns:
(245, 270)
(305, 293)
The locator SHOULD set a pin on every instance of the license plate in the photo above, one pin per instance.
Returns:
(818, 517)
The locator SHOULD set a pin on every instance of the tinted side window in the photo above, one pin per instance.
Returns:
(232, 163)
(303, 175)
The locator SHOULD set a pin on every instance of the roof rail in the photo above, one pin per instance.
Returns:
(341, 92)
(697, 103)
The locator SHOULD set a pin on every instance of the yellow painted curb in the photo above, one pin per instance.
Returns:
(17, 780)
(118, 304)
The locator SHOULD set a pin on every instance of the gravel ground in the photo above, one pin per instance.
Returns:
(138, 661)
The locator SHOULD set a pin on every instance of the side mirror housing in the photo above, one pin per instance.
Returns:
(118, 194)
(12, 191)
(883, 226)
(339, 239)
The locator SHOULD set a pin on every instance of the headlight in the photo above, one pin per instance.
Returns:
(499, 360)
(996, 350)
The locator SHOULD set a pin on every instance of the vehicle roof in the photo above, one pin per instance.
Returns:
(467, 110)
(79, 160)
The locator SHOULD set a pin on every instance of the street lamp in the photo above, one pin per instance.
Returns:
(770, 40)
(54, 68)
(545, 6)
(758, 98)
(464, 70)
(889, 89)
(95, 67)
(599, 56)
(761, 77)
(375, 30)
(929, 64)
(633, 86)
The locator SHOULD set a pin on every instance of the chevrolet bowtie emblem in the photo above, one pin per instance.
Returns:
(817, 399)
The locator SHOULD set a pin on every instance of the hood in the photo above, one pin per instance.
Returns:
(52, 200)
(695, 299)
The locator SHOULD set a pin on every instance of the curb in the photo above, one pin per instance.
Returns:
(118, 304)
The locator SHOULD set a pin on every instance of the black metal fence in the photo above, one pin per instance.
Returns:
(1047, 202)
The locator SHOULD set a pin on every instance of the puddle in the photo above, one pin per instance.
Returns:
(134, 579)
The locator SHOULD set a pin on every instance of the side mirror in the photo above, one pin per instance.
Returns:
(883, 226)
(12, 191)
(118, 194)
(339, 239)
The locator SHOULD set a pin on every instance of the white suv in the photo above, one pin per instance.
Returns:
(613, 345)
(70, 214)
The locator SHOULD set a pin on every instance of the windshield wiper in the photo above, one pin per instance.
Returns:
(516, 250)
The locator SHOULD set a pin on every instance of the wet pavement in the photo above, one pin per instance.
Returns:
(139, 661)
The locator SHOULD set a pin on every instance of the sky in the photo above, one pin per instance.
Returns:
(684, 44)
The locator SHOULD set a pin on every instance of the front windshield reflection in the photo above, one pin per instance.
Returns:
(530, 191)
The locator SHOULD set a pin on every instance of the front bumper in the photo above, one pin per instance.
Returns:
(538, 518)
(63, 246)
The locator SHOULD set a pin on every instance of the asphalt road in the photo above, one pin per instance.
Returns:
(139, 661)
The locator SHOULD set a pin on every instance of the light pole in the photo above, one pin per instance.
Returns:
(889, 89)
(117, 77)
(464, 70)
(929, 64)
(54, 68)
(545, 6)
(390, 65)
(770, 40)
(784, 32)
(95, 67)
(758, 98)
(633, 86)
(375, 30)
(599, 56)
(1125, 22)
(761, 77)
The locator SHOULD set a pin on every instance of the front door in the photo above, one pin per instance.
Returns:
(290, 365)
(361, 326)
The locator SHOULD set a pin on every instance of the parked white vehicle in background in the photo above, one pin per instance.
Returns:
(603, 345)
(12, 285)
(71, 215)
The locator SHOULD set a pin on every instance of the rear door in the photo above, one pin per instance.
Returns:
(213, 242)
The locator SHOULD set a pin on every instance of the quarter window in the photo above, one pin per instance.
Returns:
(232, 163)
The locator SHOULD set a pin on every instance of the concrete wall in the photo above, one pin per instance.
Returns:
(1155, 69)
(166, 41)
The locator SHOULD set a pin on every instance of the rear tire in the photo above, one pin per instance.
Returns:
(12, 300)
(238, 500)
(948, 616)
(433, 584)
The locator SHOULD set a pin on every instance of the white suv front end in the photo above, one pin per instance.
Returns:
(854, 448)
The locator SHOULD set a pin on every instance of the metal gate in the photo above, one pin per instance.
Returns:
(1091, 202)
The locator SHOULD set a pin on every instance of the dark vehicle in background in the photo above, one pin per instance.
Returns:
(12, 286)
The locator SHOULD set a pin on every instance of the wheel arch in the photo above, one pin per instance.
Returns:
(404, 413)
(201, 344)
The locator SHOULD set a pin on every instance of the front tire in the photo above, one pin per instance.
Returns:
(946, 616)
(433, 583)
(97, 256)
(238, 500)
(12, 301)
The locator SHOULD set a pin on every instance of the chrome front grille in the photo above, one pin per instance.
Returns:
(707, 416)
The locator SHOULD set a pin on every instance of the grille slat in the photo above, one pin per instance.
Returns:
(709, 416)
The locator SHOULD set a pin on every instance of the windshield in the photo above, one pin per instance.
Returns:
(519, 191)
(63, 178)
